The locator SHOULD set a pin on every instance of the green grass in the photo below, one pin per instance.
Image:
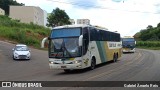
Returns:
(29, 34)
(153, 45)
(150, 48)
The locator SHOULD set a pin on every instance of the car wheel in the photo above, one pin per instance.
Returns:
(13, 57)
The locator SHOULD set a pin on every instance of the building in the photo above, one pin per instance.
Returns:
(28, 14)
(45, 18)
(83, 21)
(72, 21)
(2, 12)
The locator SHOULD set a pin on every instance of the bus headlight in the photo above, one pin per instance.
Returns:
(77, 61)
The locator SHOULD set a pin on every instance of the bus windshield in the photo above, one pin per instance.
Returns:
(64, 43)
(65, 32)
(128, 42)
(128, 39)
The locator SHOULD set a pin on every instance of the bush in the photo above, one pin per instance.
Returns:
(29, 34)
(148, 43)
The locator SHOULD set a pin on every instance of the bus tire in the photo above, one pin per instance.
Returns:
(93, 64)
(115, 57)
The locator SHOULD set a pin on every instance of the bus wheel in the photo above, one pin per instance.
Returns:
(67, 70)
(115, 57)
(93, 64)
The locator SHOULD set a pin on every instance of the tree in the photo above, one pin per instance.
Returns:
(137, 36)
(4, 4)
(57, 18)
(158, 25)
(150, 27)
(154, 37)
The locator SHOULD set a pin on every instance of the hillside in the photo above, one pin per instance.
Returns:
(17, 32)
(149, 34)
(149, 38)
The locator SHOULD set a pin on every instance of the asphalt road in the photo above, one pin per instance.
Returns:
(143, 65)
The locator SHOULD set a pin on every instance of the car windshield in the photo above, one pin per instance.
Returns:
(21, 48)
(64, 47)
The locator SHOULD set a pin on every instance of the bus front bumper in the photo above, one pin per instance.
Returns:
(128, 50)
(65, 66)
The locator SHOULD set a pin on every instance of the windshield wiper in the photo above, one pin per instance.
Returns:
(65, 49)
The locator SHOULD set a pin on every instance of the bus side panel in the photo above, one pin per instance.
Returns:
(99, 50)
(114, 48)
(103, 52)
(95, 52)
(86, 60)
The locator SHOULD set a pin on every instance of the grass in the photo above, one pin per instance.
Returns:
(32, 34)
(29, 34)
(150, 48)
(153, 45)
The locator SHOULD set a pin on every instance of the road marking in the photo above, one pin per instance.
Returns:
(139, 55)
(140, 60)
(118, 68)
(110, 71)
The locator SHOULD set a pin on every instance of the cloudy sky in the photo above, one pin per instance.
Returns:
(125, 16)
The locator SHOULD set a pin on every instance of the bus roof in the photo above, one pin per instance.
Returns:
(82, 25)
(128, 37)
(71, 26)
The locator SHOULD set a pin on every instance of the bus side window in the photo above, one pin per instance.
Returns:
(85, 40)
(92, 34)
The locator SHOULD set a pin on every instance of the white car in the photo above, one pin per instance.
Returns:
(21, 51)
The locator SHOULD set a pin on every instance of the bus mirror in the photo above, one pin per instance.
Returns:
(43, 42)
(81, 40)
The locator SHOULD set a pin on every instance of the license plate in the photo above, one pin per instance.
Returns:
(63, 66)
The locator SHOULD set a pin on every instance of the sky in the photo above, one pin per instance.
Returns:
(124, 16)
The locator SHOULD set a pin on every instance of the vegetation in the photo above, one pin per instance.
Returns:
(29, 34)
(149, 34)
(57, 18)
(149, 45)
(4, 4)
(149, 37)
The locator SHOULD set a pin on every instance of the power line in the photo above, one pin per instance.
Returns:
(100, 7)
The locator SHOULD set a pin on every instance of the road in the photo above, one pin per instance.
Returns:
(143, 65)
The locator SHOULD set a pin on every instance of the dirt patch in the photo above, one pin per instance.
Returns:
(6, 40)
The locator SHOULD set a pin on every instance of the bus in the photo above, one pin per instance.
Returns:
(82, 46)
(128, 44)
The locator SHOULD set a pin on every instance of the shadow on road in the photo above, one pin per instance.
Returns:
(86, 69)
(128, 52)
(21, 60)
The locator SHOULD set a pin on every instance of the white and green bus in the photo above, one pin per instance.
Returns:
(82, 46)
(128, 44)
